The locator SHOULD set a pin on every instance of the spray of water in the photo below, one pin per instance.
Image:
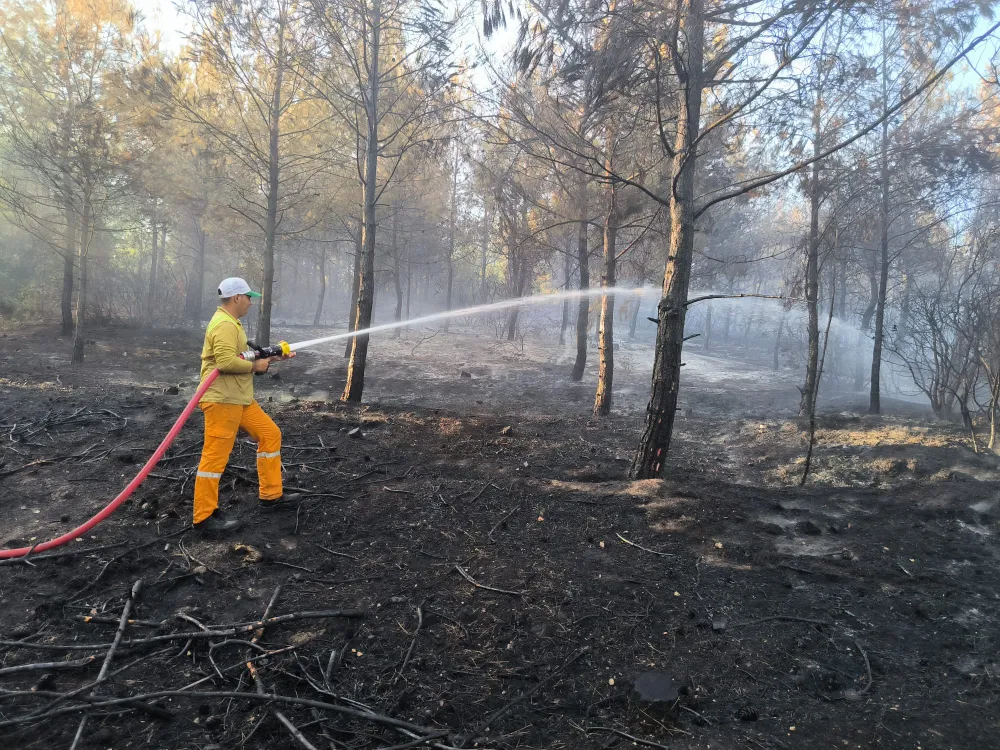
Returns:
(537, 299)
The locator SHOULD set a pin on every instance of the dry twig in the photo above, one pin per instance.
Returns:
(478, 585)
(644, 549)
(409, 651)
(102, 675)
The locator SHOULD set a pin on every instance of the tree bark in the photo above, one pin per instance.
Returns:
(69, 233)
(352, 313)
(606, 348)
(707, 340)
(366, 289)
(777, 343)
(875, 402)
(812, 266)
(196, 290)
(654, 442)
(994, 380)
(322, 285)
(485, 249)
(583, 309)
(409, 276)
(842, 302)
(564, 323)
(634, 322)
(518, 290)
(396, 274)
(69, 269)
(273, 186)
(86, 234)
(451, 239)
(151, 297)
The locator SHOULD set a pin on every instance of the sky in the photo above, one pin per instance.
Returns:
(171, 23)
(164, 18)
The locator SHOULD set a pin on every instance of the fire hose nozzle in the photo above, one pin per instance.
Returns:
(281, 349)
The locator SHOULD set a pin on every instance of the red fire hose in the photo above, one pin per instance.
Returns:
(132, 486)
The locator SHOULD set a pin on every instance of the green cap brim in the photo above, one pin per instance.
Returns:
(254, 294)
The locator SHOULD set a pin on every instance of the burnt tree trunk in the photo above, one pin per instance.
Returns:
(866, 320)
(69, 270)
(707, 342)
(151, 296)
(606, 348)
(396, 274)
(812, 270)
(196, 288)
(874, 403)
(583, 309)
(654, 441)
(409, 277)
(86, 236)
(273, 185)
(634, 322)
(366, 288)
(322, 285)
(777, 343)
(485, 252)
(352, 312)
(69, 212)
(451, 240)
(564, 323)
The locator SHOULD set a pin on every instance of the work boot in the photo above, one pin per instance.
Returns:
(285, 502)
(217, 523)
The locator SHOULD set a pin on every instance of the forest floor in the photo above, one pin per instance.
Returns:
(858, 611)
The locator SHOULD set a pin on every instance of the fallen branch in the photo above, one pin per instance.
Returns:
(868, 668)
(102, 620)
(259, 681)
(409, 651)
(197, 695)
(737, 296)
(66, 553)
(498, 523)
(644, 549)
(335, 553)
(425, 338)
(478, 585)
(41, 666)
(102, 675)
(692, 711)
(77, 693)
(222, 632)
(485, 487)
(38, 462)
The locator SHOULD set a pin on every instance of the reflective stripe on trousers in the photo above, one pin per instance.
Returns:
(222, 422)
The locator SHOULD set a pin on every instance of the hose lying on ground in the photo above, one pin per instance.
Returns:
(132, 486)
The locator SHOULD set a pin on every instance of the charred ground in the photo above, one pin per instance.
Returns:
(859, 611)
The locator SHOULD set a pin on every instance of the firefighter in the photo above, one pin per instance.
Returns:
(229, 406)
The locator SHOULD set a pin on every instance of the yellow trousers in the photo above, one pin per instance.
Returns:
(222, 422)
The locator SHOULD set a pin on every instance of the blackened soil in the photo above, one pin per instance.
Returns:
(859, 611)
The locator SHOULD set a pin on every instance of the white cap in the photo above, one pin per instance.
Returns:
(234, 285)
